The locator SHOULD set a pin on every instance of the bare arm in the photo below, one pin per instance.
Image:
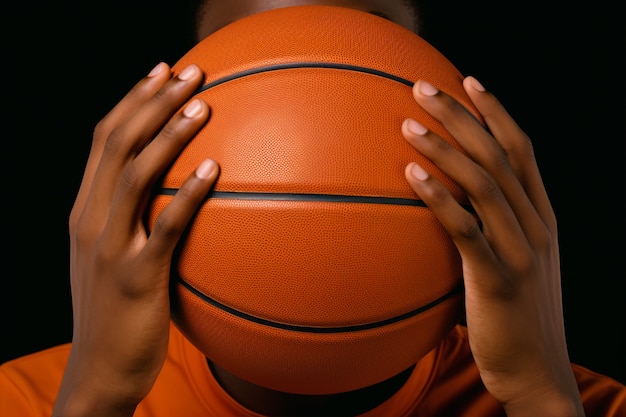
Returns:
(119, 274)
(510, 261)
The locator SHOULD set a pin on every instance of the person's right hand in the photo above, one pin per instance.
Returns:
(120, 273)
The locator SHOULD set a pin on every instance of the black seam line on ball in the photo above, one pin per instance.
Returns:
(327, 198)
(294, 65)
(312, 329)
(330, 198)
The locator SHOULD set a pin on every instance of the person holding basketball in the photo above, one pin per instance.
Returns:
(126, 358)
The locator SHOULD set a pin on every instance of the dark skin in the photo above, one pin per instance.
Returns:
(120, 275)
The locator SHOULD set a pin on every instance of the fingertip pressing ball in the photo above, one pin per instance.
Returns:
(313, 267)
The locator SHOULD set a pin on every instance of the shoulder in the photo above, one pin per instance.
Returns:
(29, 384)
(48, 361)
(601, 394)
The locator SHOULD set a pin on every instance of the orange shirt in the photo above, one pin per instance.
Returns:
(445, 383)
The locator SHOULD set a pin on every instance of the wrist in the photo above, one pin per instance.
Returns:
(85, 403)
(86, 394)
(546, 404)
(76, 406)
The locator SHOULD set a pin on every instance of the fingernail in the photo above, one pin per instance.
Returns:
(206, 169)
(477, 85)
(156, 70)
(418, 172)
(427, 89)
(415, 127)
(187, 73)
(193, 109)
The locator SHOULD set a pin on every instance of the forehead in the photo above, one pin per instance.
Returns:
(215, 14)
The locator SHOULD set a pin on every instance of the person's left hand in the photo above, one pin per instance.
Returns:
(510, 255)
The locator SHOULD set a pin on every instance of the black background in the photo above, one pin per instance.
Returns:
(559, 72)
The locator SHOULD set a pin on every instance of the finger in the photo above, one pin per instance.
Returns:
(138, 95)
(463, 228)
(140, 175)
(499, 224)
(149, 118)
(174, 218)
(515, 144)
(486, 152)
(127, 140)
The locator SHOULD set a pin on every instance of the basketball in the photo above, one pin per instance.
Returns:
(313, 267)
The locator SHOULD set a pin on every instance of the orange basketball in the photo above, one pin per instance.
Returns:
(313, 267)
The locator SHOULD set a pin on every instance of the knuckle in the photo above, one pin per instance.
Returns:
(487, 188)
(467, 227)
(544, 240)
(73, 220)
(105, 256)
(499, 160)
(84, 232)
(100, 131)
(440, 145)
(114, 142)
(552, 224)
(185, 194)
(454, 106)
(524, 146)
(131, 178)
(169, 132)
(165, 227)
(524, 265)
(163, 95)
(435, 195)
